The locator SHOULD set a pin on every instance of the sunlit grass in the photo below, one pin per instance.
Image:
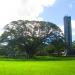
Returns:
(37, 67)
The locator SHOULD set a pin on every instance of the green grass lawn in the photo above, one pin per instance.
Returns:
(57, 67)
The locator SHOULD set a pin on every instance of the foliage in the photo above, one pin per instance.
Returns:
(28, 37)
(73, 44)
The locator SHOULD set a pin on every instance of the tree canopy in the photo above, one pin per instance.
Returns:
(28, 37)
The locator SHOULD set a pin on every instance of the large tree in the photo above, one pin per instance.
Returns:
(29, 36)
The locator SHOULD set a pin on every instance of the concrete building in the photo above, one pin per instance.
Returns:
(68, 33)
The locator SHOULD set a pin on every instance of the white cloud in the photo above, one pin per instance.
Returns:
(73, 27)
(22, 9)
(61, 27)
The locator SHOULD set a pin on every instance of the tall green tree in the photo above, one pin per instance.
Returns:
(27, 36)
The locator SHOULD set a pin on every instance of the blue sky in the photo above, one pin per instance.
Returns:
(46, 10)
(60, 9)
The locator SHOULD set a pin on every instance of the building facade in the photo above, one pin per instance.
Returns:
(68, 33)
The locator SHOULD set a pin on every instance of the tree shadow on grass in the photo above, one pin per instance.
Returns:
(39, 58)
(55, 58)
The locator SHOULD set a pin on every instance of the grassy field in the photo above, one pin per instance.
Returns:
(57, 67)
